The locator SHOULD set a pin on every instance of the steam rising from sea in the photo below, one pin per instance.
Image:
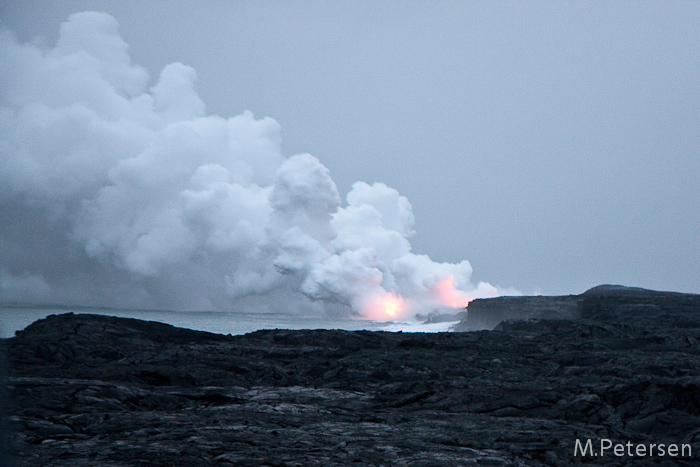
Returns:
(114, 193)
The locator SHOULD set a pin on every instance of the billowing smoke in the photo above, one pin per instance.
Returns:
(114, 193)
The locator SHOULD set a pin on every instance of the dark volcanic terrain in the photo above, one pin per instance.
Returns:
(614, 363)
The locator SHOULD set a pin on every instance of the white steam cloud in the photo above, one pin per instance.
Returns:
(116, 194)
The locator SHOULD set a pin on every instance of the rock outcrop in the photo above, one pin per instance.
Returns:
(90, 390)
(487, 313)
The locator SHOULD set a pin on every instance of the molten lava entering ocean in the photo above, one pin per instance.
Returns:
(390, 306)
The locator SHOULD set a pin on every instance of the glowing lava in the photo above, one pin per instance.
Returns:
(384, 307)
(446, 293)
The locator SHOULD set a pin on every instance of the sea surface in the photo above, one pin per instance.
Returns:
(16, 318)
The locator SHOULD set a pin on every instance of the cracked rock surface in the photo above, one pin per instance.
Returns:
(91, 390)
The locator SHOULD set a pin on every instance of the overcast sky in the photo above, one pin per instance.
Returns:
(553, 145)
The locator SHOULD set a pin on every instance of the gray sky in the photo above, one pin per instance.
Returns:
(554, 145)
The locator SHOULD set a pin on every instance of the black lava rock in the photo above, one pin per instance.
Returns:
(624, 366)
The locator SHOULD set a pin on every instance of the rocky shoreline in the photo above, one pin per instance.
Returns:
(613, 363)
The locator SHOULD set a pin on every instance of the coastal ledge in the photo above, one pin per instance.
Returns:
(89, 390)
(487, 313)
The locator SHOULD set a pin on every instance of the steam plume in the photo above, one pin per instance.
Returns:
(114, 193)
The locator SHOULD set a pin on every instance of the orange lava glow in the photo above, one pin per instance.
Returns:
(446, 293)
(385, 307)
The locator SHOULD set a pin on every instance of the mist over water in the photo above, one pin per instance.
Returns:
(119, 190)
(14, 319)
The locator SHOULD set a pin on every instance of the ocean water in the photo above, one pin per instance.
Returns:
(14, 319)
